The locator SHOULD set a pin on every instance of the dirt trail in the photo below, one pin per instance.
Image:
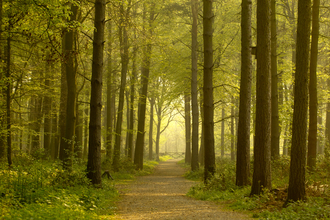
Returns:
(162, 196)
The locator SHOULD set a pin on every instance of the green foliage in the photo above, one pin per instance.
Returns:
(43, 190)
(269, 205)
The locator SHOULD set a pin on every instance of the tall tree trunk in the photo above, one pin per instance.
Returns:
(188, 128)
(8, 96)
(194, 87)
(202, 145)
(71, 78)
(110, 94)
(232, 130)
(124, 62)
(296, 190)
(94, 153)
(3, 92)
(312, 133)
(151, 127)
(275, 128)
(138, 156)
(223, 113)
(244, 114)
(48, 115)
(262, 151)
(132, 97)
(209, 167)
(86, 123)
(63, 103)
(159, 122)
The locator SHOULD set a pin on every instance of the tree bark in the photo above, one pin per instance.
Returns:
(94, 153)
(71, 78)
(124, 62)
(151, 126)
(262, 143)
(187, 120)
(138, 156)
(275, 128)
(223, 113)
(244, 114)
(209, 168)
(296, 190)
(194, 87)
(312, 133)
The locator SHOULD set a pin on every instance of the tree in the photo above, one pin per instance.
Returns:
(312, 132)
(146, 51)
(151, 125)
(275, 129)
(71, 77)
(94, 153)
(209, 167)
(243, 130)
(194, 87)
(296, 190)
(124, 62)
(187, 120)
(262, 153)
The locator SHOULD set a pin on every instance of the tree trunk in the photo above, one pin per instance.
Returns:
(132, 97)
(138, 156)
(275, 128)
(262, 143)
(232, 131)
(209, 167)
(312, 133)
(244, 114)
(124, 62)
(151, 127)
(188, 128)
(194, 87)
(223, 132)
(71, 77)
(8, 97)
(110, 94)
(296, 190)
(48, 114)
(94, 153)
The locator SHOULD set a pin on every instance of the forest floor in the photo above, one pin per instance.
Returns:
(162, 195)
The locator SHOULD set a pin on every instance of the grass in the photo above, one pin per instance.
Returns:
(37, 189)
(269, 205)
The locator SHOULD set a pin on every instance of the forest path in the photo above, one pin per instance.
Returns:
(162, 196)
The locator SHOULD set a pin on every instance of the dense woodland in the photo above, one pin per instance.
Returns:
(108, 83)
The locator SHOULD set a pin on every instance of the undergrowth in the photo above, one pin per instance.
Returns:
(39, 189)
(269, 205)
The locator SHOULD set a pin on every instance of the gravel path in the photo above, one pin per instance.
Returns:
(162, 196)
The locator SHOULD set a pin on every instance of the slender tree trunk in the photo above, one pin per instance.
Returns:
(296, 190)
(86, 122)
(132, 97)
(209, 167)
(71, 78)
(109, 96)
(94, 153)
(275, 128)
(262, 144)
(188, 128)
(243, 130)
(8, 96)
(312, 133)
(202, 145)
(138, 156)
(194, 87)
(63, 103)
(159, 122)
(124, 62)
(48, 115)
(151, 126)
(223, 132)
(232, 131)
